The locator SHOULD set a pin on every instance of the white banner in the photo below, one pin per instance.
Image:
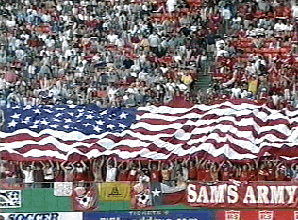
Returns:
(63, 188)
(10, 199)
(42, 216)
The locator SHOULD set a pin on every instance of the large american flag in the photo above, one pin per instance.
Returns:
(236, 131)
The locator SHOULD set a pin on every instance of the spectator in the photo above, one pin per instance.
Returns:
(68, 171)
(111, 170)
(155, 172)
(49, 173)
(38, 176)
(28, 173)
(97, 166)
(80, 172)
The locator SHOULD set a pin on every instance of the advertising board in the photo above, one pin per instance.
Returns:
(42, 216)
(256, 215)
(152, 215)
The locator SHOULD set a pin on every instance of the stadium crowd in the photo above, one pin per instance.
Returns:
(172, 172)
(121, 53)
(134, 53)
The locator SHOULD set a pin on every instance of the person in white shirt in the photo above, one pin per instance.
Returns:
(111, 170)
(236, 92)
(250, 69)
(222, 52)
(295, 11)
(119, 42)
(112, 38)
(49, 175)
(154, 41)
(28, 175)
(171, 5)
(226, 13)
(279, 27)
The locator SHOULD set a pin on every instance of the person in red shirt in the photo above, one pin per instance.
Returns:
(80, 172)
(244, 172)
(133, 172)
(270, 171)
(253, 171)
(123, 170)
(97, 169)
(207, 175)
(214, 171)
(155, 174)
(59, 174)
(227, 171)
(200, 164)
(262, 172)
(281, 172)
(166, 173)
(192, 174)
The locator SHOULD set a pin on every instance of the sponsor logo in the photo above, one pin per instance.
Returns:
(266, 215)
(42, 216)
(10, 198)
(232, 215)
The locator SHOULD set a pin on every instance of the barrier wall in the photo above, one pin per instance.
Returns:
(249, 200)
(158, 215)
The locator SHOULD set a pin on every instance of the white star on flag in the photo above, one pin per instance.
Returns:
(104, 112)
(156, 192)
(122, 125)
(100, 122)
(58, 114)
(34, 126)
(68, 120)
(13, 123)
(27, 118)
(36, 111)
(44, 122)
(97, 129)
(89, 116)
(123, 115)
(110, 126)
(15, 116)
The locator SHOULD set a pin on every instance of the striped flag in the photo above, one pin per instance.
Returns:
(228, 130)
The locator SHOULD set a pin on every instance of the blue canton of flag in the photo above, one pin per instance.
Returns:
(84, 119)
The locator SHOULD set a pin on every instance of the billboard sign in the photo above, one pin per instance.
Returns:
(152, 215)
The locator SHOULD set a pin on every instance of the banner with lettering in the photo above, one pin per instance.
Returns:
(116, 191)
(243, 194)
(43, 215)
(262, 214)
(153, 215)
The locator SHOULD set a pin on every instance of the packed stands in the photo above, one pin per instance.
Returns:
(121, 53)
